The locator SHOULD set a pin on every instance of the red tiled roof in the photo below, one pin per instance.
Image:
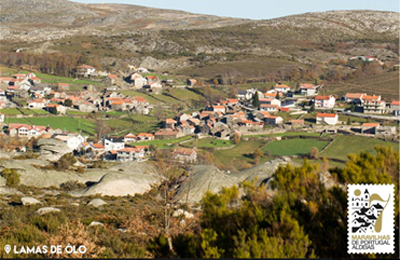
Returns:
(326, 115)
(98, 146)
(129, 149)
(307, 86)
(370, 124)
(322, 97)
(354, 95)
(395, 103)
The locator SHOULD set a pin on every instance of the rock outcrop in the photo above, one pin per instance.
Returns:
(29, 201)
(52, 149)
(125, 179)
(97, 202)
(47, 210)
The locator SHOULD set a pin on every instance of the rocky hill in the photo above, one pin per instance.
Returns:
(194, 44)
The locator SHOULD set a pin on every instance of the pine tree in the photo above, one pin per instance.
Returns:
(256, 101)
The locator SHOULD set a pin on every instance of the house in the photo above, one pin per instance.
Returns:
(325, 102)
(37, 104)
(232, 102)
(145, 137)
(35, 80)
(56, 109)
(395, 105)
(110, 79)
(41, 89)
(166, 134)
(184, 155)
(113, 143)
(269, 108)
(270, 101)
(138, 81)
(374, 105)
(282, 88)
(308, 89)
(19, 76)
(169, 123)
(23, 130)
(73, 142)
(62, 86)
(354, 98)
(369, 128)
(2, 117)
(130, 154)
(97, 148)
(85, 70)
(273, 120)
(329, 119)
(191, 82)
(151, 79)
(221, 109)
(130, 138)
(297, 123)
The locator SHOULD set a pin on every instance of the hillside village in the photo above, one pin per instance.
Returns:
(249, 112)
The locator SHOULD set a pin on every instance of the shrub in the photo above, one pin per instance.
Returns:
(12, 177)
(65, 162)
(72, 185)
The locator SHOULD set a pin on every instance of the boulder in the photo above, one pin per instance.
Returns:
(97, 203)
(202, 179)
(29, 201)
(4, 155)
(125, 179)
(184, 213)
(95, 223)
(32, 175)
(9, 191)
(52, 149)
(47, 210)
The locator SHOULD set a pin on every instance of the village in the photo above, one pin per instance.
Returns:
(248, 112)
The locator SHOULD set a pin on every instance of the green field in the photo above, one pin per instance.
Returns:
(344, 145)
(242, 151)
(162, 144)
(46, 78)
(292, 147)
(133, 93)
(208, 143)
(185, 94)
(63, 123)
(286, 134)
(10, 111)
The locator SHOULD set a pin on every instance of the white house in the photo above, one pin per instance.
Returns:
(184, 155)
(308, 89)
(130, 154)
(2, 118)
(113, 143)
(326, 102)
(73, 142)
(273, 120)
(85, 70)
(269, 108)
(130, 138)
(270, 101)
(138, 81)
(356, 98)
(328, 119)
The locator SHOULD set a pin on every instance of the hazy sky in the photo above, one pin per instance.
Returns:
(259, 9)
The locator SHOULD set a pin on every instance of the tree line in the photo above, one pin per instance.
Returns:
(49, 63)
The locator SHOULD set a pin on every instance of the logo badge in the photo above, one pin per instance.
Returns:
(370, 219)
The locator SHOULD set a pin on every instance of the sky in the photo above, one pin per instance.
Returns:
(259, 9)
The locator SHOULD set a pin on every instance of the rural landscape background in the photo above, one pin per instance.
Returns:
(279, 191)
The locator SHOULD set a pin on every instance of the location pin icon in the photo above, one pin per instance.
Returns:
(7, 248)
